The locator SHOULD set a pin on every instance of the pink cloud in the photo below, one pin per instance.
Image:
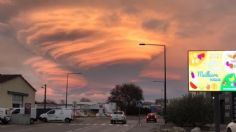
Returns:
(54, 75)
(81, 34)
(55, 33)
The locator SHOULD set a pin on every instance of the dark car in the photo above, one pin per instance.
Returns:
(151, 117)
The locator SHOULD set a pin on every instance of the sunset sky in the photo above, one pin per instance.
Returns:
(45, 39)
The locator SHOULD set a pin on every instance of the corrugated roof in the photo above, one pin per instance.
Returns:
(8, 77)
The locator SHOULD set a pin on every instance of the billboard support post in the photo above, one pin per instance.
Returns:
(216, 111)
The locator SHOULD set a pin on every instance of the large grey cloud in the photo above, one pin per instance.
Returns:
(155, 25)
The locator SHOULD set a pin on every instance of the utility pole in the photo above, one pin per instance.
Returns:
(45, 96)
(139, 105)
(139, 121)
(67, 87)
(216, 100)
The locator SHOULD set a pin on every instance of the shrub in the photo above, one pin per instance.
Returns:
(190, 110)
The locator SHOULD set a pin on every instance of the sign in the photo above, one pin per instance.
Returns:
(212, 70)
(139, 104)
(28, 108)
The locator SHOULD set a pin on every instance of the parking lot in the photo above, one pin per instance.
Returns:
(90, 124)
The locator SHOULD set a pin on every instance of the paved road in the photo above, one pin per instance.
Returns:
(91, 124)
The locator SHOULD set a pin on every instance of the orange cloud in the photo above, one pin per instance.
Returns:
(6, 2)
(54, 74)
(83, 34)
(83, 37)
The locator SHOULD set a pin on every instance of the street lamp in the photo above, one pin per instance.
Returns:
(67, 83)
(164, 47)
(45, 96)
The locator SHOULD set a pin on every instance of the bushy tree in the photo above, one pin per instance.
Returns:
(190, 110)
(126, 96)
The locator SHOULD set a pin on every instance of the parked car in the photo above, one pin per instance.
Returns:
(33, 114)
(231, 127)
(151, 117)
(118, 116)
(65, 115)
(5, 116)
(108, 114)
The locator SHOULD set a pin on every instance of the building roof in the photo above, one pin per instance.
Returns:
(7, 77)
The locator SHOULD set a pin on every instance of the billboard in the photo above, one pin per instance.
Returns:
(212, 70)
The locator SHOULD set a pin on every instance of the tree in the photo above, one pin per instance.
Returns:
(190, 110)
(85, 100)
(126, 96)
(74, 103)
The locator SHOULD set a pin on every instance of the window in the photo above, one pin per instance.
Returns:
(16, 111)
(17, 101)
(51, 112)
(118, 112)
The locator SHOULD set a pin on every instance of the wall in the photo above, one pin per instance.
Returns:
(16, 85)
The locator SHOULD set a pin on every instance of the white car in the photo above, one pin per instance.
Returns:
(118, 116)
(65, 115)
(5, 116)
(231, 127)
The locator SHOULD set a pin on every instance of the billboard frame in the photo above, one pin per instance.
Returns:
(188, 70)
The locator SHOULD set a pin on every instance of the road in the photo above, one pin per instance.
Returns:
(90, 124)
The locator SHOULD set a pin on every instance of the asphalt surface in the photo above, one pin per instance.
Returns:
(90, 124)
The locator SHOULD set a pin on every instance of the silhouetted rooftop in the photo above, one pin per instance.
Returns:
(8, 77)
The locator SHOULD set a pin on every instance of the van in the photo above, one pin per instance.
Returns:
(22, 111)
(65, 115)
(5, 115)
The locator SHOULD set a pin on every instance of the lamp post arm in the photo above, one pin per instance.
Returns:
(153, 44)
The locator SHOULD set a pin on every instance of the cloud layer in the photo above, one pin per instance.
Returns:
(58, 37)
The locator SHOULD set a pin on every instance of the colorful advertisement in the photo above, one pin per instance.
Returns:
(212, 70)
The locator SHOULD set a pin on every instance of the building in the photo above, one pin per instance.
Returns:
(15, 91)
(228, 106)
(227, 102)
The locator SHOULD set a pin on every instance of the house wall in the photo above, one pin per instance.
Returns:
(16, 85)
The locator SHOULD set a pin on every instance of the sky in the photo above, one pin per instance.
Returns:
(45, 40)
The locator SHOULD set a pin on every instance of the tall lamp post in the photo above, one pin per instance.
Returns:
(45, 96)
(164, 47)
(67, 83)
